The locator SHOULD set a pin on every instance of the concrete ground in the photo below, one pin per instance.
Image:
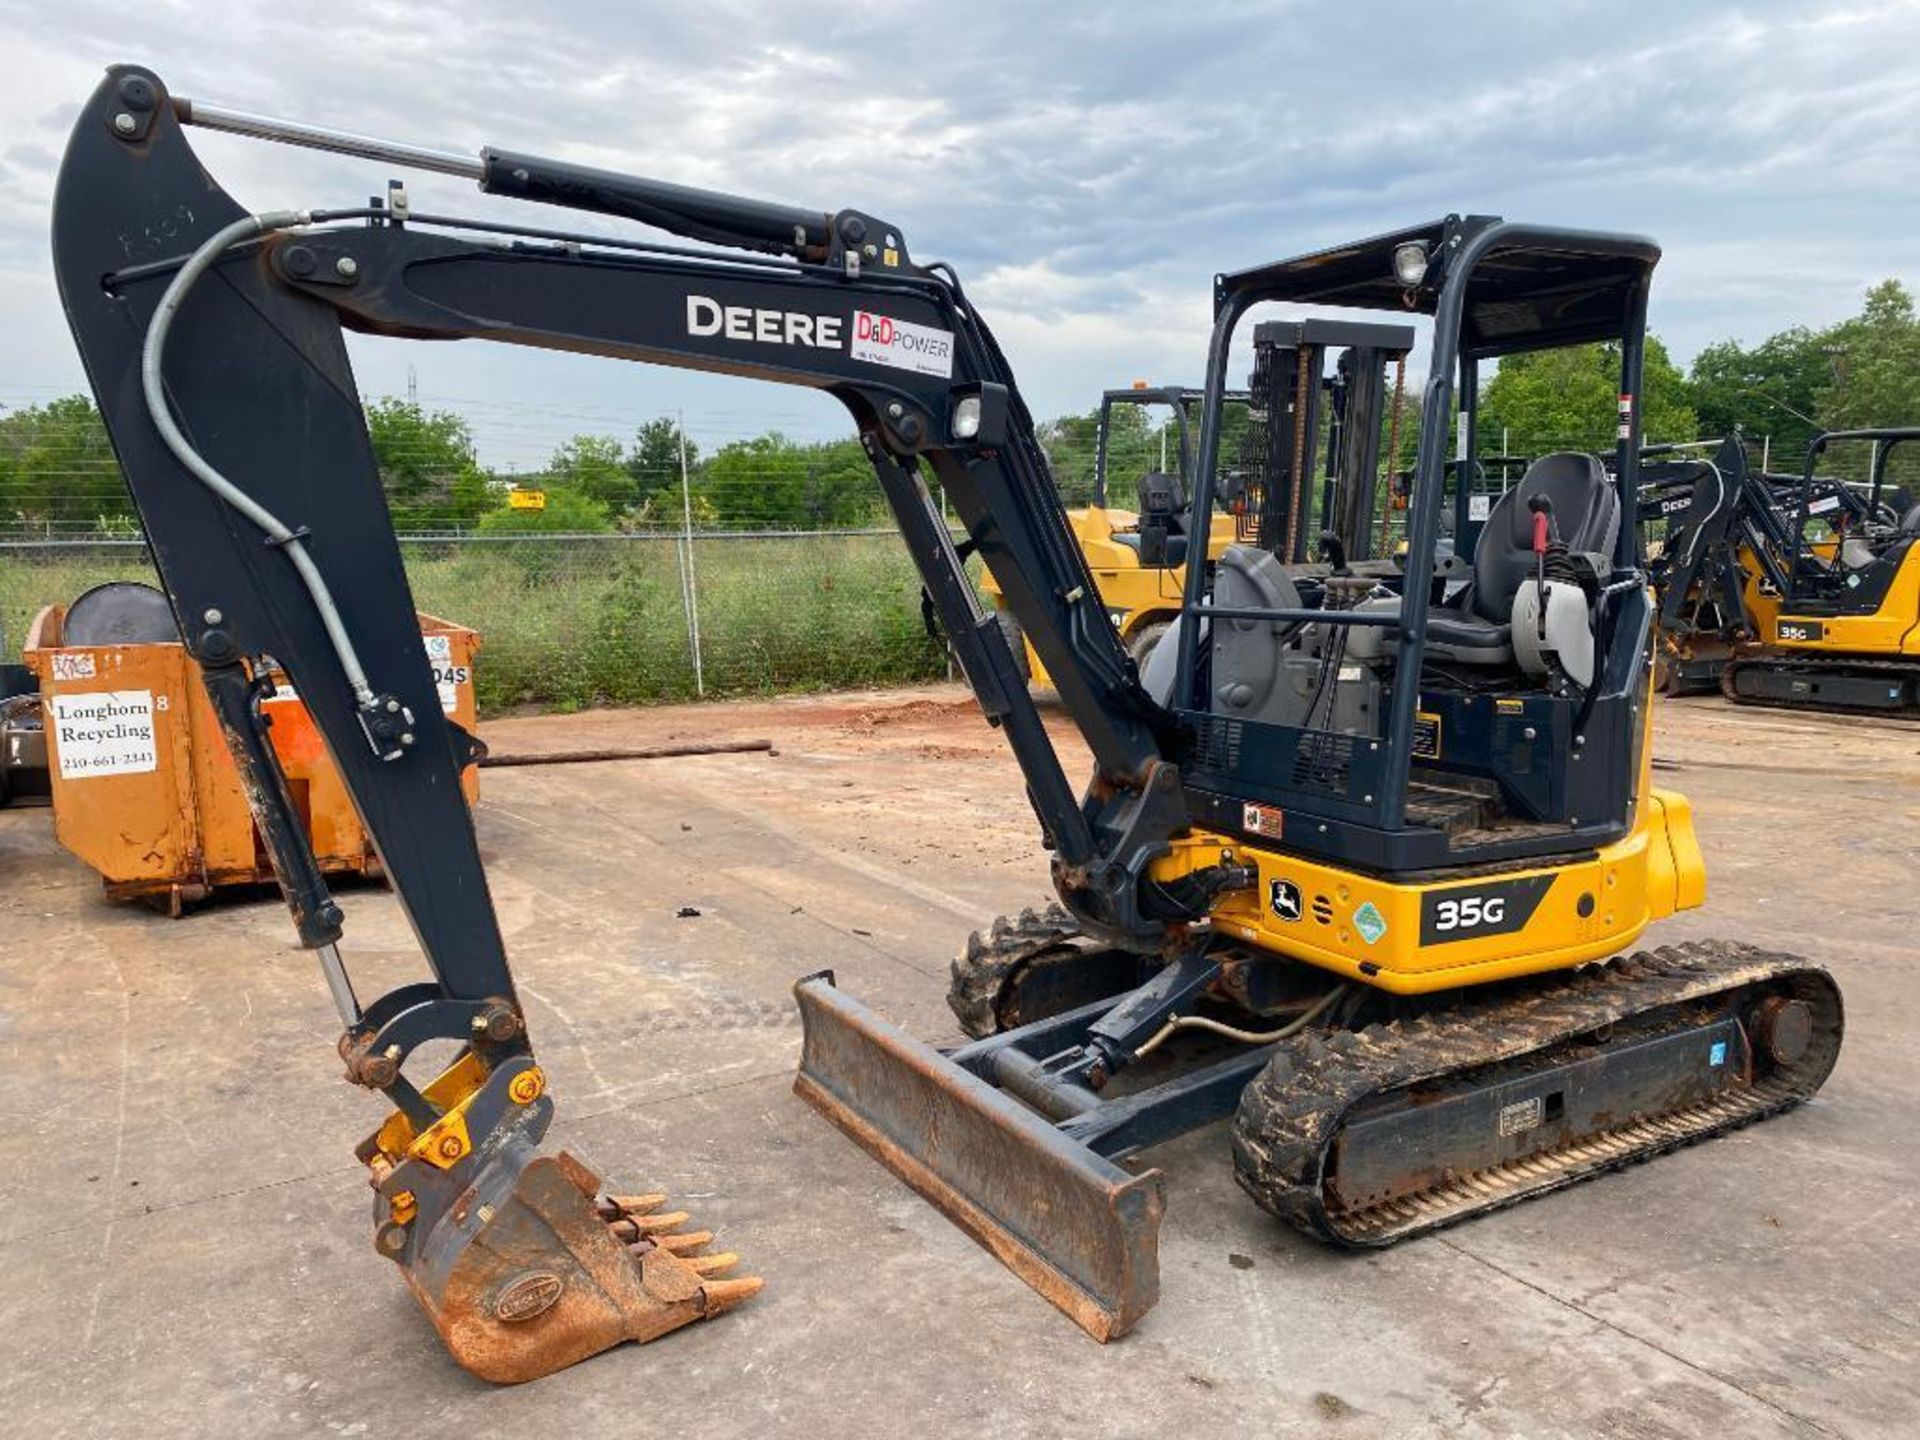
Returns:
(184, 1233)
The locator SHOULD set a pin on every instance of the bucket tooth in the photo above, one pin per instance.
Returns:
(719, 1296)
(1065, 1219)
(713, 1264)
(684, 1243)
(620, 1205)
(655, 1224)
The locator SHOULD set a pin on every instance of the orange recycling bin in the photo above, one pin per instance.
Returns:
(146, 791)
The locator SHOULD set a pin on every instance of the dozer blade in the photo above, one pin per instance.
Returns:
(534, 1269)
(1076, 1227)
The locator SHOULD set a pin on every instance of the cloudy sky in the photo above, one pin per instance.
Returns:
(1087, 168)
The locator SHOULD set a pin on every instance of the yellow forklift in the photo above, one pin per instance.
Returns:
(1137, 557)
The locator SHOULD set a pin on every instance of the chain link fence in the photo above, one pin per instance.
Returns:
(570, 621)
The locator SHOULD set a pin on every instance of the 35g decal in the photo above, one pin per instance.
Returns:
(1467, 912)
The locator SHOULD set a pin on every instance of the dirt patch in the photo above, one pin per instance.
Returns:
(913, 712)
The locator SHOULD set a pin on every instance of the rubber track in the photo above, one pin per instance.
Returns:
(1292, 1113)
(1816, 666)
(980, 972)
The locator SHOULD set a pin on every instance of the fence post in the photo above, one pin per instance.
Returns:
(689, 586)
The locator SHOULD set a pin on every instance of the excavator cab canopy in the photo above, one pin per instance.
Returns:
(1371, 771)
(1525, 287)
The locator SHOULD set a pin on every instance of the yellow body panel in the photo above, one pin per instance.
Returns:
(1654, 871)
(1892, 630)
(1135, 595)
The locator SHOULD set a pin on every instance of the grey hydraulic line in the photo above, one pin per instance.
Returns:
(151, 356)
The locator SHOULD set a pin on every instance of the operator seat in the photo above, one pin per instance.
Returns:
(1163, 520)
(1473, 626)
(1910, 522)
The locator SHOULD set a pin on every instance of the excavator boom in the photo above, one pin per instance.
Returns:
(212, 337)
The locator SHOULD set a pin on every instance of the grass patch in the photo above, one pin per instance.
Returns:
(566, 624)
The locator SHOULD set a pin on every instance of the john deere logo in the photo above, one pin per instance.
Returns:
(528, 1295)
(1284, 896)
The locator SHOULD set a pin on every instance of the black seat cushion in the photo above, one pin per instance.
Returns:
(1910, 522)
(1459, 636)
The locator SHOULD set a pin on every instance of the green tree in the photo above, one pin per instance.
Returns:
(595, 466)
(653, 460)
(1566, 398)
(427, 467)
(1875, 364)
(1133, 448)
(772, 482)
(1771, 390)
(567, 512)
(57, 468)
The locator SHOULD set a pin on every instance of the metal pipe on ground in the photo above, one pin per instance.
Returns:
(639, 752)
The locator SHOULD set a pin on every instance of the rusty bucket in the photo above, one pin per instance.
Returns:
(522, 1261)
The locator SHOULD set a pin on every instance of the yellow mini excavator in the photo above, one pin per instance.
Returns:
(1366, 887)
(1799, 591)
(1137, 557)
(1354, 855)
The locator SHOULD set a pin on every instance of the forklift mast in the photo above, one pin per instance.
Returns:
(1294, 403)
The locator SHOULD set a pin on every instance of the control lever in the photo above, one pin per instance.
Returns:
(1543, 537)
(1333, 552)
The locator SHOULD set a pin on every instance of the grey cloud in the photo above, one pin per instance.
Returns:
(1089, 168)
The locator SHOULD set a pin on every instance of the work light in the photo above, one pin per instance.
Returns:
(1410, 263)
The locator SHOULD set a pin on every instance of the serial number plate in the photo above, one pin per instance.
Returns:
(1522, 1116)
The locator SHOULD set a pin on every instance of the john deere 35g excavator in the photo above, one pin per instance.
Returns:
(1362, 835)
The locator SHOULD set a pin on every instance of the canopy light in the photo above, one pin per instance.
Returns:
(1410, 263)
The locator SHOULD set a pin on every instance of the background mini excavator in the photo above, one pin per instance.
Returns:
(1796, 591)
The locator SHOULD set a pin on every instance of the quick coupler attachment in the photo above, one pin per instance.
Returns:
(522, 1261)
(1064, 1218)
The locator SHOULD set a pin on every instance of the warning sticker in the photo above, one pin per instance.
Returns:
(885, 341)
(1522, 1116)
(1263, 820)
(1479, 507)
(1371, 924)
(72, 665)
(1426, 735)
(106, 733)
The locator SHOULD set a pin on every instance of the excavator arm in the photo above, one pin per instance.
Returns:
(212, 337)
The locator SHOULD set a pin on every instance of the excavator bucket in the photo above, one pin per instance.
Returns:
(539, 1269)
(1071, 1223)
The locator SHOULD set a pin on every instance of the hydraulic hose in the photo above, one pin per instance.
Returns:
(1233, 1032)
(152, 384)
